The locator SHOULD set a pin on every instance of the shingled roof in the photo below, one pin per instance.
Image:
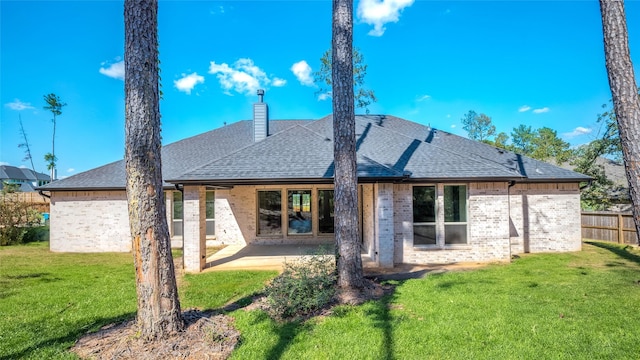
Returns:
(23, 176)
(177, 158)
(388, 149)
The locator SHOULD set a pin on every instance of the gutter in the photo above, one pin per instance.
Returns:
(41, 192)
(588, 184)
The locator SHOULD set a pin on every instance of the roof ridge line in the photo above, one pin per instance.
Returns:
(491, 163)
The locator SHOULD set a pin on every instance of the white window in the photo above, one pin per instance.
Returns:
(440, 227)
(455, 214)
(210, 211)
(177, 213)
(424, 215)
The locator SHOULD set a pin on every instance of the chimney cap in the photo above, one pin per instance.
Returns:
(260, 91)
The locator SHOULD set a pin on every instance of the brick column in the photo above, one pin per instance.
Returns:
(194, 236)
(384, 224)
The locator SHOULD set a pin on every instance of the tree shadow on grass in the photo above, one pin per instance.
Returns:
(285, 331)
(616, 249)
(382, 320)
(80, 328)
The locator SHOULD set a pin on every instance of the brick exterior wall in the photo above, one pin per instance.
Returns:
(368, 223)
(384, 226)
(89, 221)
(194, 236)
(545, 218)
(487, 227)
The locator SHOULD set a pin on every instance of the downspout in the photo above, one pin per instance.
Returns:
(586, 185)
(180, 188)
(511, 184)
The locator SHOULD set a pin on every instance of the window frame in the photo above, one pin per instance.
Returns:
(311, 210)
(466, 217)
(177, 223)
(282, 221)
(440, 223)
(317, 223)
(284, 206)
(435, 209)
(210, 220)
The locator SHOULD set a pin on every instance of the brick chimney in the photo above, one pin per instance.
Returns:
(260, 118)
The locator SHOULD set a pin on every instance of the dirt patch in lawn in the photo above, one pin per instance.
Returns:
(206, 336)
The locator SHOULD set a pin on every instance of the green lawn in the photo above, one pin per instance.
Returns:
(578, 305)
(48, 300)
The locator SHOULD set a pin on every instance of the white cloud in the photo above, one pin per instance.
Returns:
(577, 132)
(453, 126)
(380, 12)
(302, 71)
(424, 97)
(187, 82)
(18, 105)
(3, 163)
(70, 170)
(448, 116)
(277, 82)
(324, 96)
(115, 70)
(541, 110)
(243, 77)
(218, 10)
(524, 108)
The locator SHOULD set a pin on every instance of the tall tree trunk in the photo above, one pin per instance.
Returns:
(349, 260)
(158, 304)
(624, 91)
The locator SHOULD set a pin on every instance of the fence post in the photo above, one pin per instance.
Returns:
(620, 229)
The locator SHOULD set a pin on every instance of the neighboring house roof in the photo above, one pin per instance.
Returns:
(23, 176)
(388, 148)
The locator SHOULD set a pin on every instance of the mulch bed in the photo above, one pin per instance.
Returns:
(206, 336)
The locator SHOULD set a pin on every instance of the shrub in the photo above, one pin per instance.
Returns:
(16, 218)
(306, 285)
(36, 234)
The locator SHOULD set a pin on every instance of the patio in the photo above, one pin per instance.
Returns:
(266, 257)
(272, 257)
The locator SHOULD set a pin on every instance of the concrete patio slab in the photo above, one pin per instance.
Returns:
(265, 257)
(273, 257)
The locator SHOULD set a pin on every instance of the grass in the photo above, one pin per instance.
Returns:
(574, 305)
(561, 306)
(48, 300)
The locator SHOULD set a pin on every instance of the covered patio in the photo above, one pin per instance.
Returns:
(267, 257)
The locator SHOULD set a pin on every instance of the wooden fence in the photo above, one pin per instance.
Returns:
(609, 226)
(37, 201)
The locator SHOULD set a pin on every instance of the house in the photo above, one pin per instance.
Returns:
(425, 195)
(26, 178)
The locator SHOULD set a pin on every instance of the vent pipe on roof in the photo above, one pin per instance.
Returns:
(260, 118)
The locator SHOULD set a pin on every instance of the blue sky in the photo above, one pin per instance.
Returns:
(539, 63)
